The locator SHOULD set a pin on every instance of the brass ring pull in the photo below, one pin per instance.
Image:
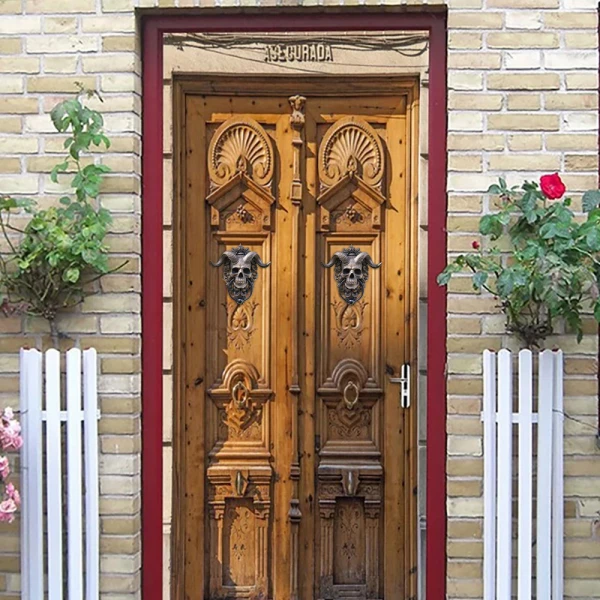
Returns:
(350, 395)
(239, 394)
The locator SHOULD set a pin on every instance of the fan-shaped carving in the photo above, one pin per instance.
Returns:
(240, 145)
(351, 147)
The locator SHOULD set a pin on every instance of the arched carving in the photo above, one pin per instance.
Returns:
(351, 147)
(240, 145)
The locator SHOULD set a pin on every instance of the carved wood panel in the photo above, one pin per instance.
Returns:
(296, 456)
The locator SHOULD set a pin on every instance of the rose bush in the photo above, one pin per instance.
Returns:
(552, 269)
(10, 439)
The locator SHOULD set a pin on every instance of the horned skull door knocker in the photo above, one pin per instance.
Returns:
(351, 272)
(240, 271)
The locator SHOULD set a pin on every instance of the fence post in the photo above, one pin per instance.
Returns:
(504, 529)
(558, 483)
(489, 477)
(525, 473)
(75, 518)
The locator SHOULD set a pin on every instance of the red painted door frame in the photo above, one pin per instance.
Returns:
(152, 260)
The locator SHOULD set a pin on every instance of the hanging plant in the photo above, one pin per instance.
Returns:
(552, 270)
(52, 259)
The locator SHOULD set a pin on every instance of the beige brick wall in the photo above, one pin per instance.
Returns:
(522, 100)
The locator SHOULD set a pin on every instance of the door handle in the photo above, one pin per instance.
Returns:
(404, 381)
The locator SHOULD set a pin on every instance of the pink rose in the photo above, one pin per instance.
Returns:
(11, 493)
(8, 508)
(10, 432)
(552, 186)
(4, 467)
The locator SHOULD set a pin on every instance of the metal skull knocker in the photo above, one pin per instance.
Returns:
(351, 272)
(240, 271)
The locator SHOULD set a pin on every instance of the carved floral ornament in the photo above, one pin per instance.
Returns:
(351, 147)
(240, 146)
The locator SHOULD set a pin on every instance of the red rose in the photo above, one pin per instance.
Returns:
(476, 245)
(552, 186)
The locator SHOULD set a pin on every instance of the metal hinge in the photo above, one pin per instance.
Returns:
(404, 381)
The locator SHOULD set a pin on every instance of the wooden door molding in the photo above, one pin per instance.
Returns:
(348, 198)
(342, 19)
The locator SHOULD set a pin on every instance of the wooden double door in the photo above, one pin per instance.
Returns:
(294, 468)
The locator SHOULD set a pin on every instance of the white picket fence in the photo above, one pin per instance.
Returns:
(499, 422)
(43, 382)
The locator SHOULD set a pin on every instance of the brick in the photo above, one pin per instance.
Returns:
(116, 5)
(470, 60)
(19, 65)
(581, 40)
(458, 40)
(60, 25)
(471, 101)
(21, 24)
(475, 142)
(109, 24)
(74, 6)
(571, 20)
(465, 528)
(13, 84)
(582, 81)
(571, 60)
(10, 124)
(524, 162)
(464, 162)
(18, 145)
(464, 203)
(61, 44)
(523, 122)
(525, 40)
(10, 165)
(510, 81)
(571, 101)
(465, 121)
(581, 162)
(60, 84)
(522, 4)
(524, 102)
(474, 20)
(571, 142)
(119, 43)
(60, 64)
(10, 46)
(580, 121)
(520, 19)
(530, 142)
(21, 106)
(465, 507)
(124, 62)
(465, 81)
(527, 59)
(464, 488)
(11, 7)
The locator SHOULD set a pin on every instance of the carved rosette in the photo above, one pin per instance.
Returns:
(351, 147)
(351, 169)
(240, 145)
(240, 170)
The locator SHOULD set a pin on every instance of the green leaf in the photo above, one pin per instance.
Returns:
(591, 200)
(71, 275)
(479, 280)
(494, 189)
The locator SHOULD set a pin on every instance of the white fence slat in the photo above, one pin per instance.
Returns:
(525, 489)
(25, 369)
(558, 481)
(544, 475)
(35, 488)
(90, 401)
(54, 476)
(489, 469)
(74, 504)
(504, 495)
